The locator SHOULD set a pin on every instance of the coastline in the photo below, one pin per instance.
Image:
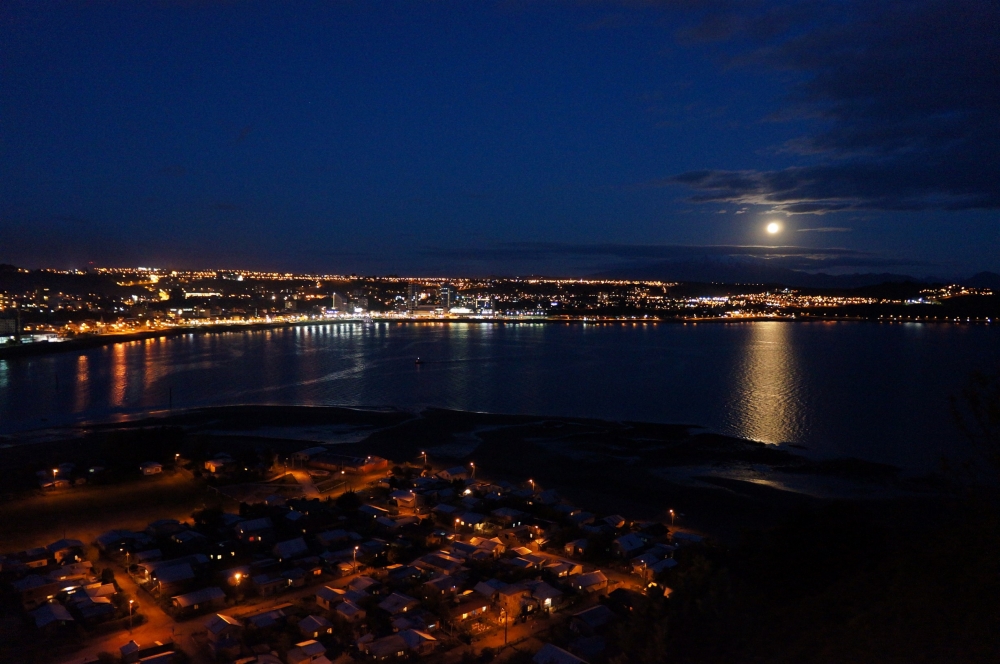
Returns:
(10, 352)
(723, 485)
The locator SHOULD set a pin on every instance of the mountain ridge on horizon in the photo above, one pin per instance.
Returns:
(751, 273)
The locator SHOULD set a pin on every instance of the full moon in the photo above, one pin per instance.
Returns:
(773, 227)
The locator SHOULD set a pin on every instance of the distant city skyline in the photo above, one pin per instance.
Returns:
(552, 138)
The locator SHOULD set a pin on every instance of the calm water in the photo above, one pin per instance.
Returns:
(873, 391)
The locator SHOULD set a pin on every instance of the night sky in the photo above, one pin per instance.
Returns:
(507, 138)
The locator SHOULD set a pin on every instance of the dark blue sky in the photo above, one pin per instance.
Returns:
(514, 137)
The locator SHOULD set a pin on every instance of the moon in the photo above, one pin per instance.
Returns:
(773, 228)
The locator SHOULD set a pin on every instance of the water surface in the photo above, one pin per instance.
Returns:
(875, 391)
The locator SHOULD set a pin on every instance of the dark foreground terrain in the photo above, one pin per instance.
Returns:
(903, 571)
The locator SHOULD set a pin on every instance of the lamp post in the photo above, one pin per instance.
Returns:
(424, 455)
(354, 569)
(673, 515)
(473, 466)
(532, 483)
(131, 602)
(503, 614)
(457, 521)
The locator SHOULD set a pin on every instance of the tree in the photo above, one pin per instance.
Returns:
(348, 500)
(977, 412)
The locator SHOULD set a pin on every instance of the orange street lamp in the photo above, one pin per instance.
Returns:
(131, 602)
(672, 517)
(355, 567)
(473, 466)
(457, 521)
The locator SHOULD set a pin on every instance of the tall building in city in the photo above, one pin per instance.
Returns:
(447, 296)
(412, 296)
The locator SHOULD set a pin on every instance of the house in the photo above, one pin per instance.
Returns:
(174, 579)
(472, 520)
(255, 530)
(151, 468)
(328, 597)
(591, 620)
(490, 588)
(65, 549)
(374, 511)
(576, 547)
(410, 641)
(306, 454)
(548, 598)
(516, 599)
(663, 566)
(348, 464)
(50, 616)
(221, 627)
(627, 546)
(387, 647)
(151, 571)
(267, 618)
(439, 562)
(267, 585)
(35, 590)
(563, 568)
(329, 538)
(581, 518)
(350, 611)
(508, 516)
(470, 605)
(91, 609)
(616, 521)
(290, 549)
(307, 652)
(362, 584)
(550, 654)
(397, 603)
(312, 627)
(218, 464)
(404, 499)
(442, 585)
(685, 538)
(455, 473)
(200, 599)
(591, 582)
(119, 540)
(493, 545)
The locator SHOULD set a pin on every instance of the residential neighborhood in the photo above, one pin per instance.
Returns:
(410, 563)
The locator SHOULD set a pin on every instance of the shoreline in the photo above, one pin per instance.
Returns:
(724, 484)
(10, 352)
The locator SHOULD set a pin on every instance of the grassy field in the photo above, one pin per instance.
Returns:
(86, 512)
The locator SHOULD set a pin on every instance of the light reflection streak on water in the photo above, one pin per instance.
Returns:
(765, 403)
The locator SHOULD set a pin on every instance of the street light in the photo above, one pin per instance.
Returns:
(457, 521)
(503, 614)
(354, 569)
(130, 603)
(473, 466)
(532, 482)
(672, 517)
(424, 455)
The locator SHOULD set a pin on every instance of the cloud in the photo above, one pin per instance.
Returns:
(825, 229)
(903, 99)
(572, 255)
